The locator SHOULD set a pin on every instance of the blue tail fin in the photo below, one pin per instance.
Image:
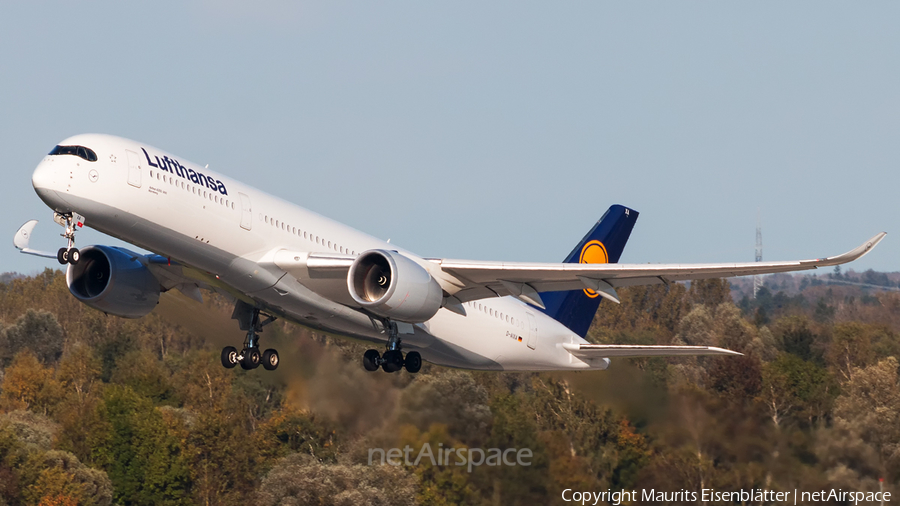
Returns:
(603, 244)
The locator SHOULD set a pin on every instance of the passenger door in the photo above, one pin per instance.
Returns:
(532, 331)
(134, 169)
(246, 212)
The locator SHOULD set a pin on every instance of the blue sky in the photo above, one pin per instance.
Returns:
(496, 131)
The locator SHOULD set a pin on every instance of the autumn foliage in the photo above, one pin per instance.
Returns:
(98, 410)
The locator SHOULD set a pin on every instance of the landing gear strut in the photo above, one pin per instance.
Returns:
(250, 357)
(69, 254)
(392, 360)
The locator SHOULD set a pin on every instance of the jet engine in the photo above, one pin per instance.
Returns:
(391, 285)
(113, 281)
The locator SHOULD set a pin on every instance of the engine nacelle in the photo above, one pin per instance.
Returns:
(111, 280)
(392, 286)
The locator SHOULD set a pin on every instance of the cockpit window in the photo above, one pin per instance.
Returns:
(79, 151)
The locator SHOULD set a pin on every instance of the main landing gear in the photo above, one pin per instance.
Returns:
(392, 360)
(250, 357)
(69, 254)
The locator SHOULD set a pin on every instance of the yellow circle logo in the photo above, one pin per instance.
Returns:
(594, 252)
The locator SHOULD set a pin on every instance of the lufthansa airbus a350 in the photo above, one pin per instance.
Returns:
(278, 260)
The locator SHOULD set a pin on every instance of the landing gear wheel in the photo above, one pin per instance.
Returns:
(270, 359)
(393, 361)
(371, 359)
(413, 362)
(251, 359)
(62, 256)
(74, 256)
(229, 357)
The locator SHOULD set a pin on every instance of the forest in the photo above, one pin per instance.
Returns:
(99, 410)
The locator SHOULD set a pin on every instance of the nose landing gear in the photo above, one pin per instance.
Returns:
(392, 360)
(69, 254)
(250, 357)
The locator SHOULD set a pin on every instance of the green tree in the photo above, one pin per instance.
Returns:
(795, 336)
(146, 375)
(795, 388)
(143, 457)
(37, 331)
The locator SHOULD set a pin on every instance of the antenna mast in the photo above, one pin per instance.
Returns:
(757, 280)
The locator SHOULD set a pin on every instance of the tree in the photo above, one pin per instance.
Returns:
(142, 455)
(793, 387)
(302, 480)
(145, 374)
(736, 378)
(29, 385)
(795, 336)
(850, 348)
(79, 370)
(451, 398)
(710, 292)
(870, 402)
(37, 331)
(62, 475)
(33, 430)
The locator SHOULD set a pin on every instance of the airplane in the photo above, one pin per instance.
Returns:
(277, 260)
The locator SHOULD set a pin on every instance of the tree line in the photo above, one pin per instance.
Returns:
(98, 410)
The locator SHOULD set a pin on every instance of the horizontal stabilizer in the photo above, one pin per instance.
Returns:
(23, 238)
(640, 350)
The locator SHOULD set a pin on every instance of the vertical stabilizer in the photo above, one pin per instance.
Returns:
(604, 243)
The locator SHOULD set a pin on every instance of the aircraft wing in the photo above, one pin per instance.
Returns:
(640, 350)
(478, 280)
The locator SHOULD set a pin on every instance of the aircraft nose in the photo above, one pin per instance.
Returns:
(45, 180)
(44, 177)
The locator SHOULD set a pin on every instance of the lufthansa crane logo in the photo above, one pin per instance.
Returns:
(594, 252)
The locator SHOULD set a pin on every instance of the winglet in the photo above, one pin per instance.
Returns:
(23, 238)
(853, 254)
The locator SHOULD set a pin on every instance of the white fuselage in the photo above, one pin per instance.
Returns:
(147, 197)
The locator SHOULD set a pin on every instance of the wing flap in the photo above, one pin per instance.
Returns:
(640, 350)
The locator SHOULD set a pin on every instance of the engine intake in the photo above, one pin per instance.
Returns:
(393, 286)
(113, 281)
